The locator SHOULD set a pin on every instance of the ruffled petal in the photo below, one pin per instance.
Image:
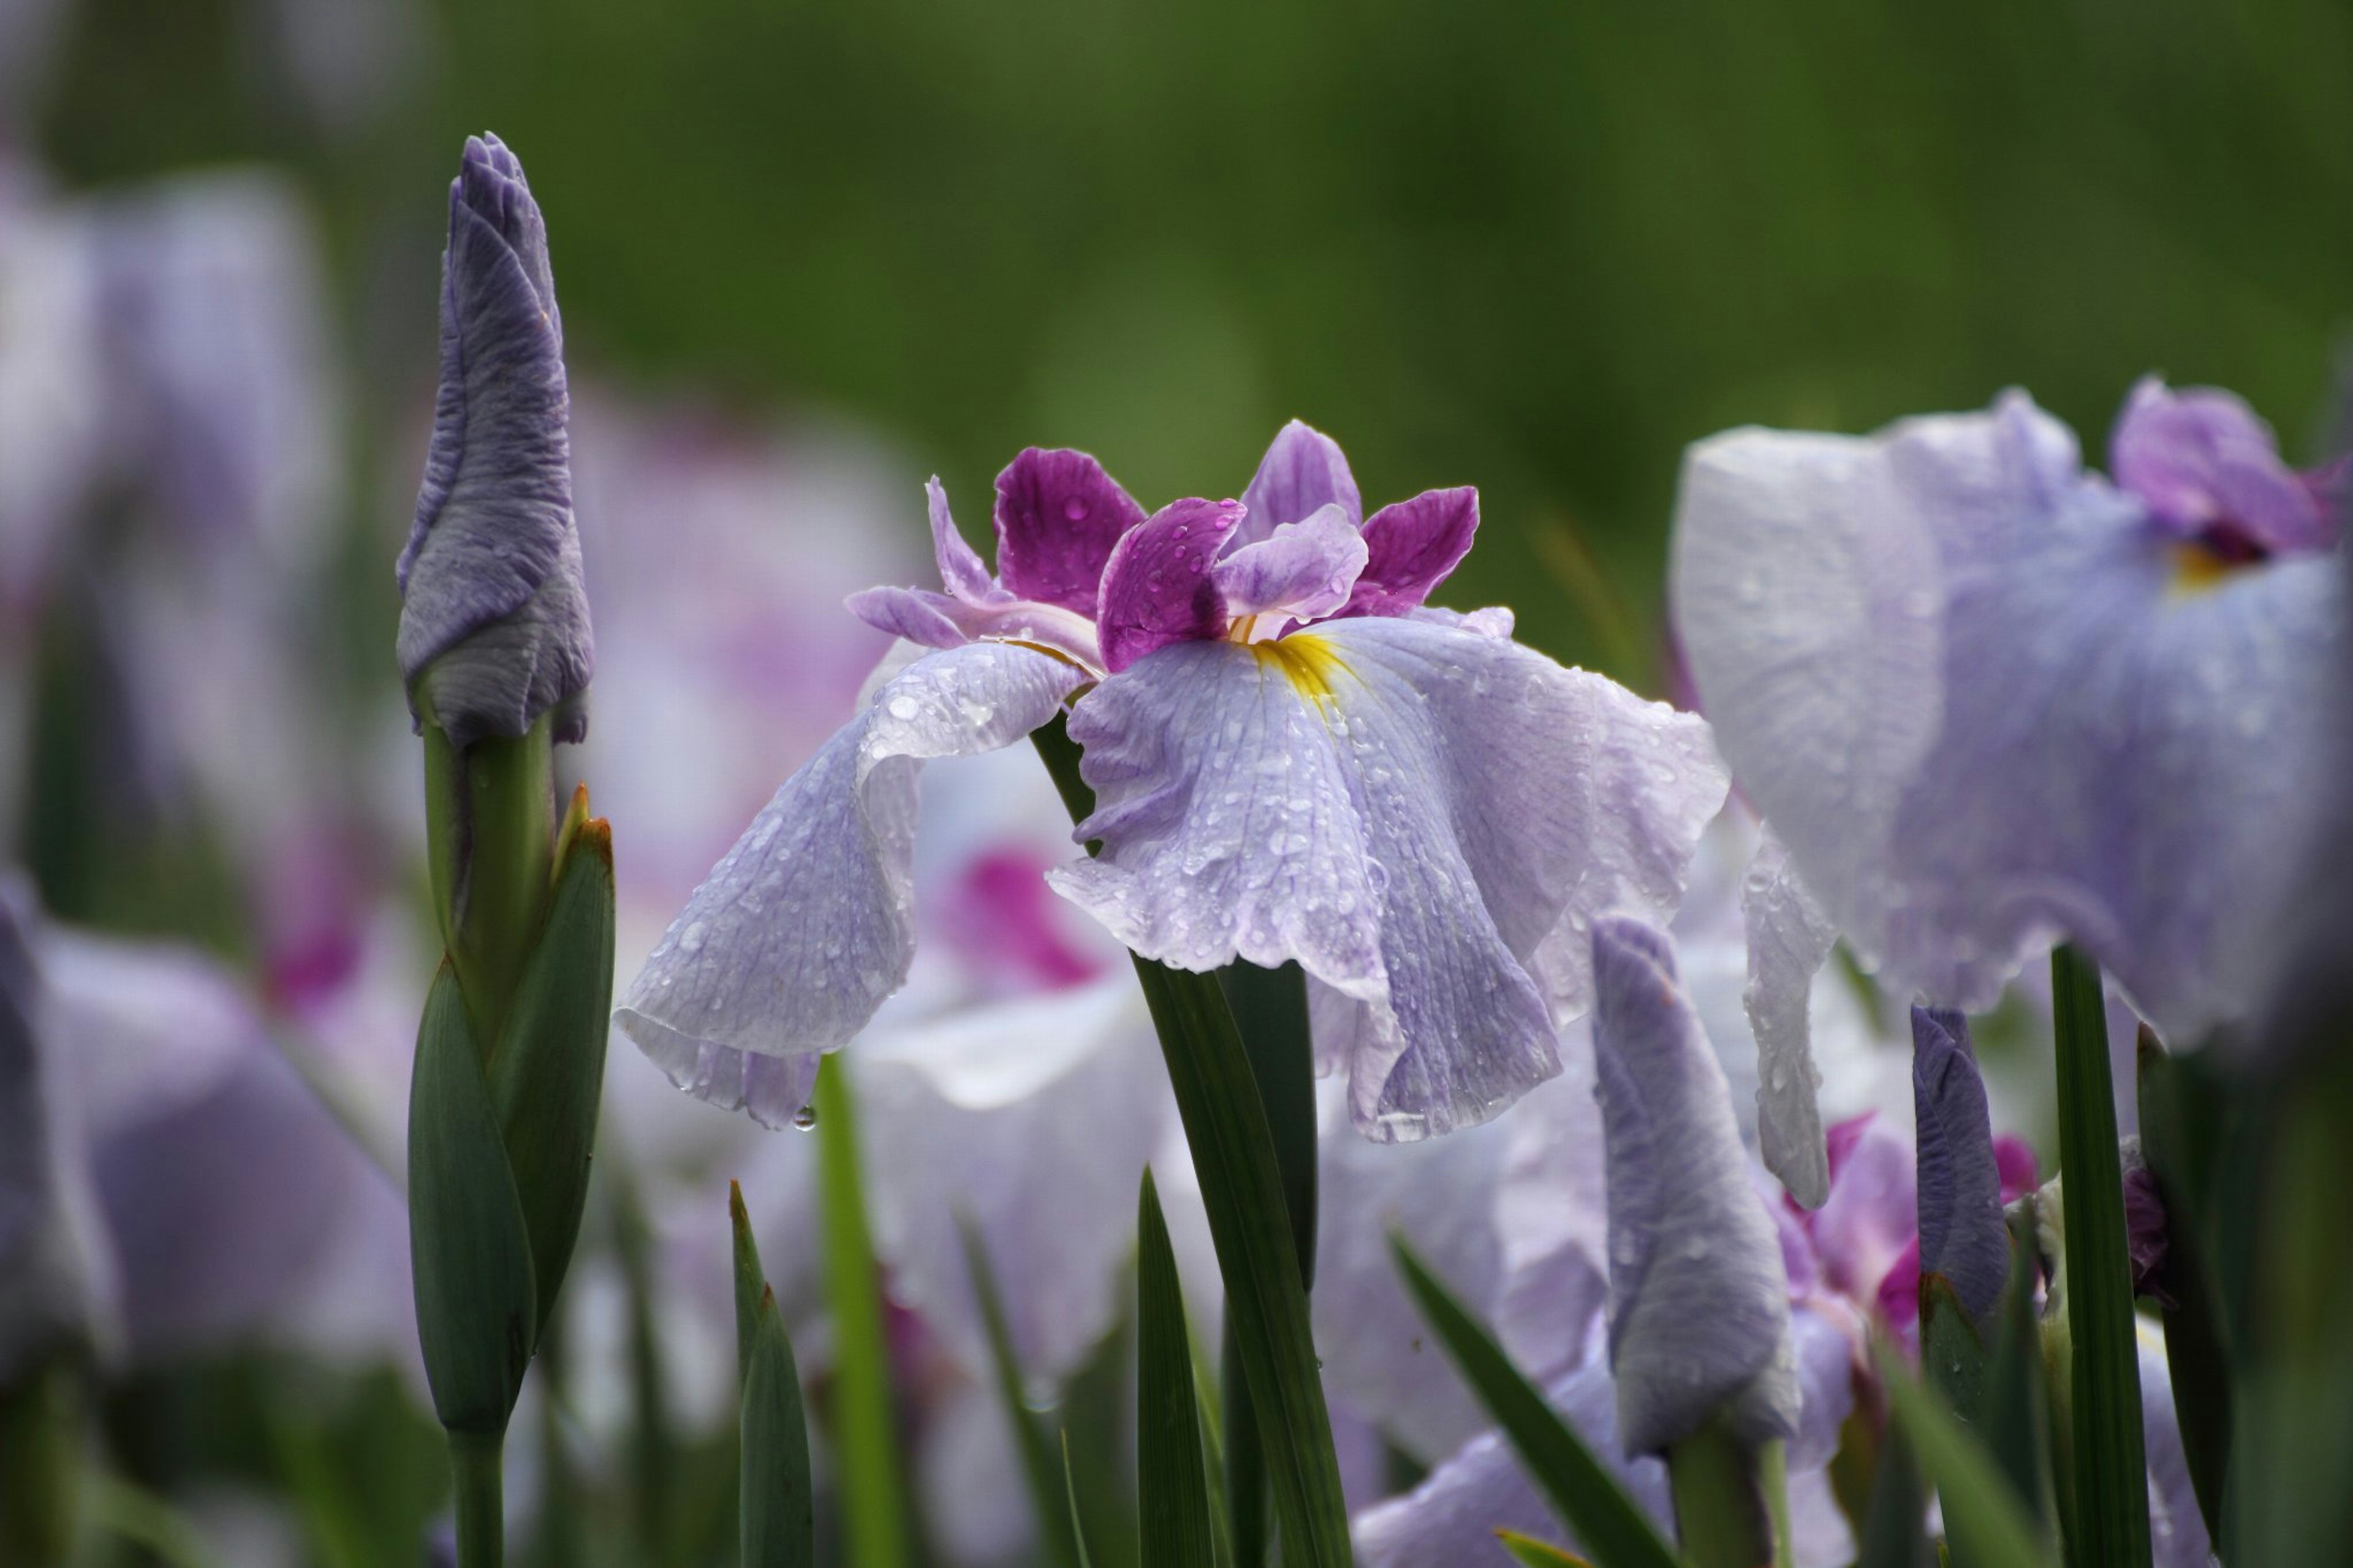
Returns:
(1962, 1237)
(1157, 588)
(1412, 547)
(1058, 517)
(1699, 1307)
(1302, 571)
(1789, 937)
(2204, 461)
(801, 931)
(1978, 695)
(1303, 470)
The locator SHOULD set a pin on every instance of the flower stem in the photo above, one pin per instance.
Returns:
(1721, 1511)
(490, 812)
(866, 1434)
(474, 1462)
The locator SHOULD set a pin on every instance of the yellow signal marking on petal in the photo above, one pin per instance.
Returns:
(2198, 568)
(1307, 662)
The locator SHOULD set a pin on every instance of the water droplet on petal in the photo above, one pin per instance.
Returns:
(805, 1118)
(1075, 510)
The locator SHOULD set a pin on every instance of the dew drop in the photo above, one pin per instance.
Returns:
(1075, 510)
(903, 708)
(805, 1118)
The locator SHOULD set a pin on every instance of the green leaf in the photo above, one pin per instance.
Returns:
(1606, 1523)
(469, 1249)
(1172, 1477)
(1071, 1485)
(1234, 1157)
(143, 1518)
(2017, 1422)
(1534, 1554)
(1894, 1532)
(1244, 1463)
(1970, 1486)
(2111, 1472)
(777, 1503)
(2183, 1107)
(1047, 1490)
(1269, 1009)
(1952, 1360)
(547, 1074)
(751, 1283)
(1722, 1516)
(873, 1495)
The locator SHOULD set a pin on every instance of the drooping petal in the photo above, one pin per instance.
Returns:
(1976, 693)
(1789, 937)
(1412, 547)
(1058, 517)
(2203, 461)
(1303, 470)
(797, 935)
(1302, 570)
(1699, 1309)
(1410, 810)
(1157, 588)
(494, 615)
(1959, 1188)
(1033, 1119)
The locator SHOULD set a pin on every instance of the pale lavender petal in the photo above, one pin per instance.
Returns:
(797, 935)
(1830, 1348)
(2176, 1529)
(1699, 1307)
(940, 620)
(1033, 1119)
(961, 572)
(1962, 1237)
(1789, 939)
(1976, 693)
(918, 615)
(1552, 1210)
(1058, 517)
(1303, 471)
(2205, 464)
(1493, 621)
(1304, 570)
(1410, 810)
(1453, 1516)
(494, 613)
(1412, 547)
(1157, 588)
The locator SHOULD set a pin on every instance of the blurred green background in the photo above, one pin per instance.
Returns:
(1536, 247)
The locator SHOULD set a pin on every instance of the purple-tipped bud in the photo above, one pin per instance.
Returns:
(1962, 1234)
(2145, 1230)
(494, 613)
(1699, 1304)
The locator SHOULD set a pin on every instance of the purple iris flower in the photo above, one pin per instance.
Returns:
(1293, 758)
(1987, 699)
(494, 613)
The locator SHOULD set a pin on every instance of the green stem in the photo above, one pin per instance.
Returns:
(2111, 1489)
(40, 1463)
(489, 815)
(865, 1435)
(1721, 1512)
(474, 1460)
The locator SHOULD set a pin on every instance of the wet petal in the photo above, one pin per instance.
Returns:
(1699, 1309)
(1303, 470)
(1410, 810)
(1058, 517)
(1302, 570)
(1961, 1232)
(1412, 547)
(1973, 690)
(494, 615)
(2203, 460)
(961, 572)
(797, 935)
(1789, 939)
(1157, 588)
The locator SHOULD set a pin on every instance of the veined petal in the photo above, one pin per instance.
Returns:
(1303, 469)
(1962, 1234)
(1058, 517)
(1977, 694)
(1157, 588)
(1412, 547)
(1699, 1307)
(1789, 937)
(801, 931)
(1302, 570)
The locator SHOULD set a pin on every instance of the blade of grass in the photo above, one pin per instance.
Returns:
(143, 1518)
(866, 1446)
(1071, 1484)
(1233, 1151)
(1608, 1523)
(2111, 1489)
(1172, 1479)
(1047, 1491)
(777, 1525)
(1969, 1484)
(1534, 1553)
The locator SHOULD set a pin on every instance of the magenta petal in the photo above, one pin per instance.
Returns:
(1302, 469)
(1156, 587)
(1058, 517)
(2203, 461)
(1411, 547)
(1302, 570)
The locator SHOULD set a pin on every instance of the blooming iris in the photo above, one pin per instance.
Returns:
(1988, 698)
(1293, 758)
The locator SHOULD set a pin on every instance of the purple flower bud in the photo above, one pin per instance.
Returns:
(1962, 1234)
(2145, 1231)
(1699, 1303)
(494, 615)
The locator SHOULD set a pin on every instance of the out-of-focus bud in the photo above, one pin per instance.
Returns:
(494, 628)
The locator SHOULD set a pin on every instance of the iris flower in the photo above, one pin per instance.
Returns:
(1986, 700)
(1293, 758)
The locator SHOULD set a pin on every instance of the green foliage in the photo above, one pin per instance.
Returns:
(777, 1502)
(1048, 1489)
(1975, 1495)
(1172, 1476)
(1608, 1523)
